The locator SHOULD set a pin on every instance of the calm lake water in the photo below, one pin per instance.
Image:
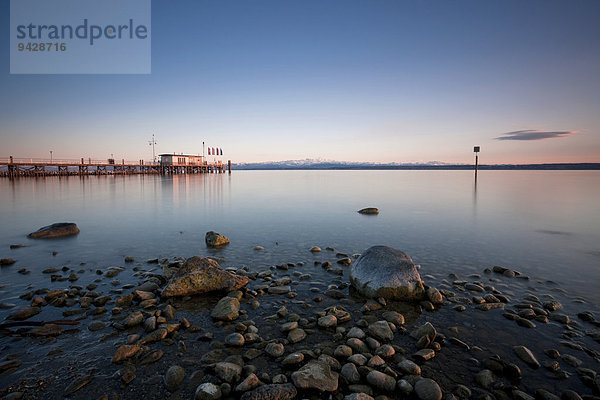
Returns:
(543, 223)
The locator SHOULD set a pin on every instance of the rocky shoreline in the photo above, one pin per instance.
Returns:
(296, 330)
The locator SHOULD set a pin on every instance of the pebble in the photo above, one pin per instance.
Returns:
(485, 378)
(342, 351)
(23, 313)
(357, 345)
(327, 321)
(285, 391)
(279, 289)
(375, 362)
(208, 391)
(249, 383)
(350, 373)
(296, 335)
(552, 305)
(427, 389)
(393, 317)
(293, 359)
(385, 351)
(357, 359)
(560, 318)
(543, 394)
(381, 381)
(152, 357)
(527, 356)
(424, 354)
(572, 361)
(235, 339)
(174, 376)
(408, 367)
(357, 333)
(228, 371)
(358, 396)
(381, 330)
(96, 326)
(275, 349)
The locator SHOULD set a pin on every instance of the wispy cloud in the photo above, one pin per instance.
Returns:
(533, 134)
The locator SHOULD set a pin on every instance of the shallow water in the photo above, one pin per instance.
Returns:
(546, 224)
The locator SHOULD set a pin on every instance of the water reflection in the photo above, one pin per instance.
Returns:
(443, 218)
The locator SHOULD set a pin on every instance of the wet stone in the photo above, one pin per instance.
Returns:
(296, 335)
(350, 373)
(174, 376)
(552, 305)
(96, 326)
(424, 354)
(316, 375)
(285, 391)
(235, 339)
(485, 378)
(381, 381)
(428, 389)
(408, 367)
(228, 372)
(293, 359)
(207, 391)
(275, 349)
(527, 356)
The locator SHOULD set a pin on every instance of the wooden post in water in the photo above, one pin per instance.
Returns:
(229, 166)
(476, 150)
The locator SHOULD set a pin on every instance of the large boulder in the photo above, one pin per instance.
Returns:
(214, 239)
(202, 275)
(383, 271)
(60, 229)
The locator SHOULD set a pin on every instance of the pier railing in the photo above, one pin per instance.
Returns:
(62, 161)
(11, 166)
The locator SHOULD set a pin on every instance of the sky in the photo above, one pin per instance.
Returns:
(346, 80)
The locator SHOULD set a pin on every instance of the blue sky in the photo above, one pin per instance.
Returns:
(383, 81)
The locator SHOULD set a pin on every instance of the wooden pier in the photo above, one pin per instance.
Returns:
(15, 167)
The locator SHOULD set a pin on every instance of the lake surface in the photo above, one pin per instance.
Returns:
(545, 224)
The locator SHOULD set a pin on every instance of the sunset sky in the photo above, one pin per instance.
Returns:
(380, 81)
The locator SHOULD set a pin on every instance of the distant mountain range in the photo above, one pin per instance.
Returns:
(330, 164)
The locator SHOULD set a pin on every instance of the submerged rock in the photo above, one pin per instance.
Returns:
(526, 355)
(60, 229)
(202, 275)
(124, 352)
(214, 239)
(383, 271)
(227, 309)
(24, 313)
